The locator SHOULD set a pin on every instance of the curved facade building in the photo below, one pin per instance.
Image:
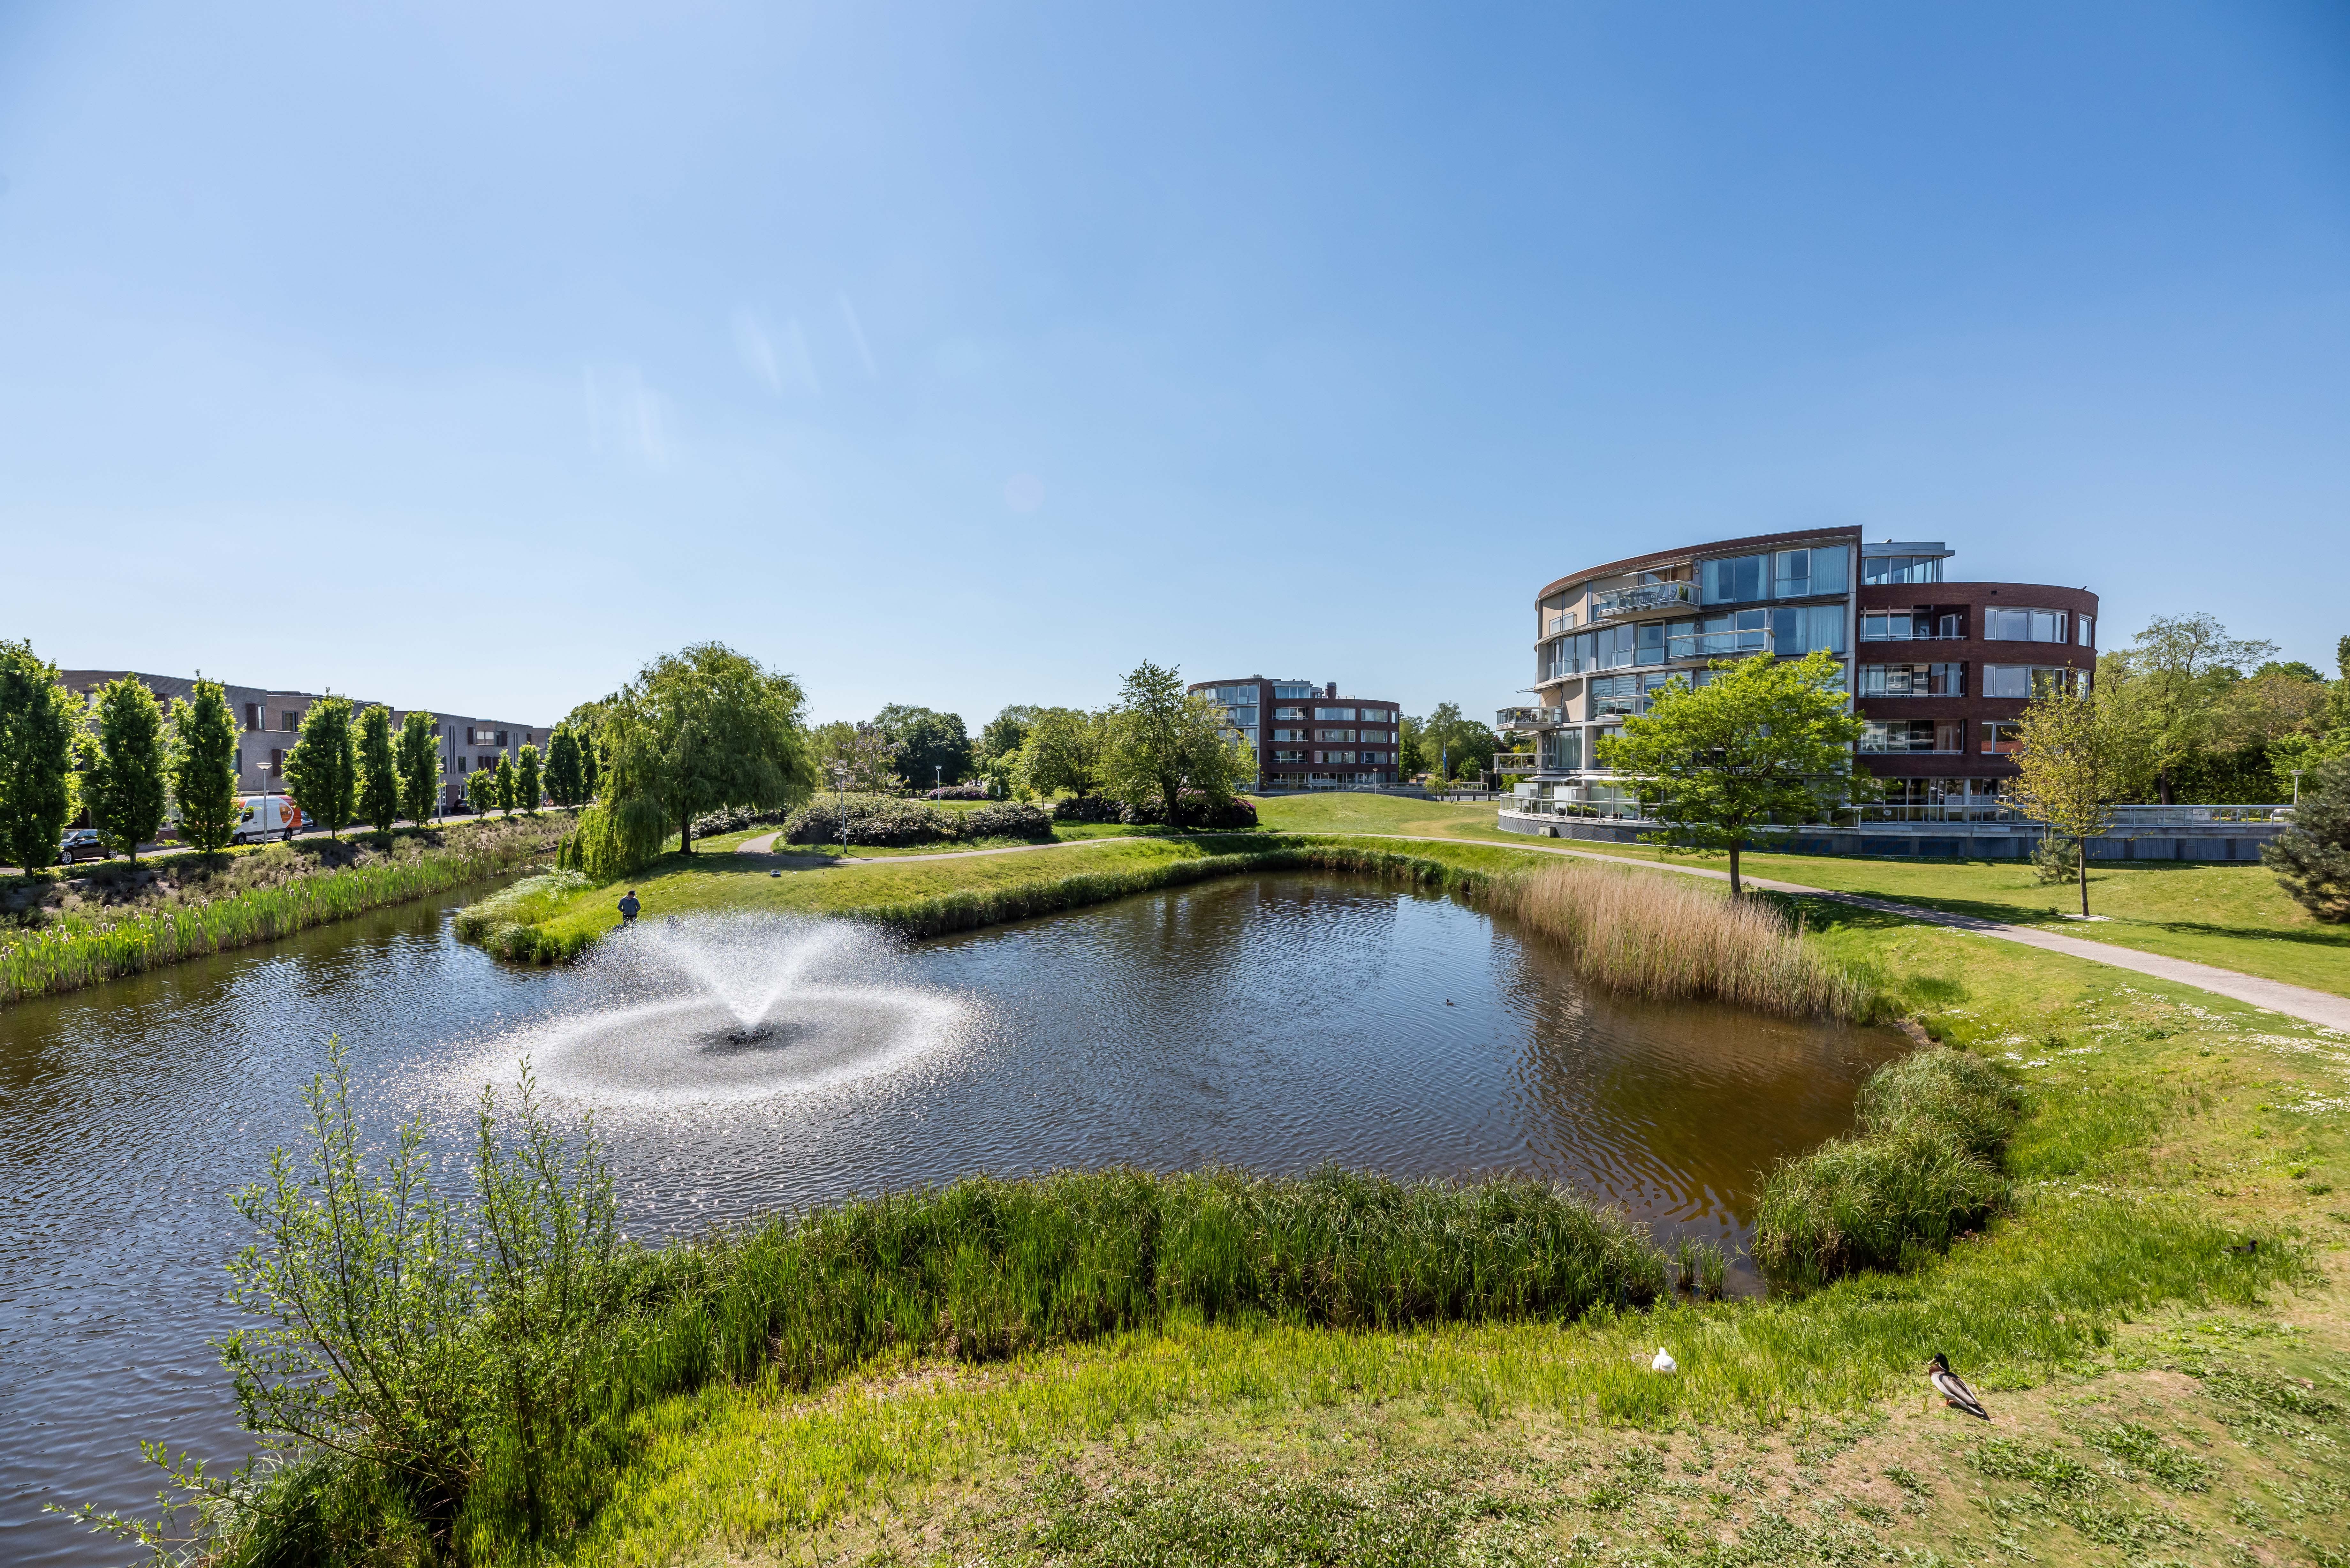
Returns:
(1940, 668)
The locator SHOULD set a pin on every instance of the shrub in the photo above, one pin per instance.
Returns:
(1922, 1169)
(976, 790)
(1088, 808)
(877, 819)
(1008, 819)
(2312, 857)
(2055, 859)
(1235, 815)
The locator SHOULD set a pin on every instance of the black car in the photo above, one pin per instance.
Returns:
(82, 843)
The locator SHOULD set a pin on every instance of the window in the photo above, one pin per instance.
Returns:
(1231, 695)
(1735, 580)
(1243, 717)
(1913, 681)
(2000, 737)
(1248, 735)
(1718, 636)
(1901, 568)
(253, 715)
(276, 760)
(1289, 756)
(1944, 736)
(2024, 626)
(1802, 573)
(1289, 714)
(1614, 694)
(1379, 715)
(293, 721)
(1289, 734)
(1795, 632)
(1334, 734)
(1333, 712)
(1293, 691)
(1562, 752)
(2084, 628)
(2022, 681)
(1903, 626)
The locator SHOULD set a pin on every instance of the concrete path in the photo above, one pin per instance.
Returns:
(2294, 1001)
(764, 845)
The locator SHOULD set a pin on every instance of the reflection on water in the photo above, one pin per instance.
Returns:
(1273, 1023)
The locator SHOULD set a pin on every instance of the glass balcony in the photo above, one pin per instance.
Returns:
(1518, 721)
(1642, 597)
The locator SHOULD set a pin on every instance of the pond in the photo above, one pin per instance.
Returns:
(1273, 1023)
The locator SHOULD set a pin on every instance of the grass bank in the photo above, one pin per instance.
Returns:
(73, 930)
(2233, 916)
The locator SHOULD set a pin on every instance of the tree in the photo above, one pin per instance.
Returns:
(2170, 685)
(1764, 741)
(36, 739)
(379, 774)
(2066, 775)
(418, 751)
(997, 757)
(2312, 857)
(482, 791)
(565, 781)
(526, 786)
(1410, 737)
(1162, 740)
(322, 771)
(507, 787)
(203, 767)
(1460, 746)
(934, 749)
(1062, 752)
(698, 731)
(2292, 670)
(856, 757)
(126, 772)
(591, 765)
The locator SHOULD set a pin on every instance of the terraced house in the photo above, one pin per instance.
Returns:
(1307, 736)
(1940, 668)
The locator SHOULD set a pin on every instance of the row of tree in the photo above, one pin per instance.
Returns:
(2194, 715)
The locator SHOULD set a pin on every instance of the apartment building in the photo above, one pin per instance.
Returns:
(1940, 668)
(269, 722)
(1307, 736)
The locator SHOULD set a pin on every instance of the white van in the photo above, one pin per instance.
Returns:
(259, 815)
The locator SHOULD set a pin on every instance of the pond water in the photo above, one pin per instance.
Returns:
(1273, 1023)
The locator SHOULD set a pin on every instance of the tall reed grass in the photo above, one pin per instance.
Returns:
(76, 950)
(1669, 938)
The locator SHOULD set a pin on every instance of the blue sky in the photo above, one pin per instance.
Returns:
(468, 356)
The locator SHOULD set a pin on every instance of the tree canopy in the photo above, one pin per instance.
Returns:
(2065, 750)
(1162, 740)
(1460, 746)
(933, 747)
(126, 771)
(1063, 750)
(1765, 740)
(379, 774)
(37, 738)
(565, 780)
(322, 771)
(2312, 857)
(204, 766)
(418, 753)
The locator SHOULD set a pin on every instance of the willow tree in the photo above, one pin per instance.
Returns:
(37, 738)
(698, 731)
(1764, 741)
(379, 774)
(2067, 769)
(203, 767)
(322, 771)
(417, 754)
(125, 769)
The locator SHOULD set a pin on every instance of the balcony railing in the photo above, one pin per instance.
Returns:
(1513, 762)
(1908, 749)
(1642, 597)
(1562, 621)
(1520, 720)
(2170, 818)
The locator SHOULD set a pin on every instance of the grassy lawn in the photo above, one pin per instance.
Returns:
(2157, 1398)
(2231, 916)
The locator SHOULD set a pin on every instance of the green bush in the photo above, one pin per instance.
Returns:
(1922, 1170)
(880, 819)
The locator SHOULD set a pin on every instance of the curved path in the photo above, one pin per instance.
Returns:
(2294, 1001)
(765, 844)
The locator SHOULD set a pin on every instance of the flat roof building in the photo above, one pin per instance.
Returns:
(1940, 668)
(1307, 736)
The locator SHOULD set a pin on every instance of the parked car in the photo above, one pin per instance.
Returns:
(82, 843)
(259, 815)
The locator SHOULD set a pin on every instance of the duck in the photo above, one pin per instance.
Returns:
(1953, 1388)
(1664, 1361)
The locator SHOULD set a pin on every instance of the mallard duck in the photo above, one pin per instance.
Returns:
(1664, 1361)
(1953, 1388)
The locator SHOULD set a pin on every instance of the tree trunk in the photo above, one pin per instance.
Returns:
(685, 833)
(2082, 845)
(1735, 888)
(2162, 786)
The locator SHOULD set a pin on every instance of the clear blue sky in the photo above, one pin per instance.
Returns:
(467, 356)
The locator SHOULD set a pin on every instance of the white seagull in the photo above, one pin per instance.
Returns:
(1953, 1388)
(1664, 1361)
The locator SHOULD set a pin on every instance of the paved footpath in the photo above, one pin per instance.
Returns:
(767, 846)
(2294, 1001)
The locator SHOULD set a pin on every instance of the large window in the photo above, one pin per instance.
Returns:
(1816, 570)
(2027, 680)
(2002, 737)
(1738, 579)
(2084, 628)
(1379, 715)
(1901, 568)
(1806, 628)
(1334, 734)
(1907, 626)
(1913, 681)
(1229, 695)
(1288, 713)
(1562, 750)
(1289, 734)
(1289, 756)
(1333, 712)
(1293, 691)
(1937, 736)
(1243, 717)
(2025, 626)
(1720, 635)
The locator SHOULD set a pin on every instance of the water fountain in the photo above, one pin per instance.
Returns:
(700, 1009)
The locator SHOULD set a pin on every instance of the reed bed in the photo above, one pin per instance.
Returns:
(1667, 938)
(75, 951)
(1922, 1170)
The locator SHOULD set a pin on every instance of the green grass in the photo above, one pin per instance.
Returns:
(81, 948)
(2232, 916)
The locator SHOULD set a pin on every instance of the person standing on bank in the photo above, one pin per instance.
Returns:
(628, 908)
